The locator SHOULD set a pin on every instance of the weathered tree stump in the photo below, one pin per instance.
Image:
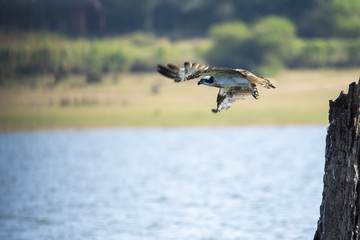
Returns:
(340, 207)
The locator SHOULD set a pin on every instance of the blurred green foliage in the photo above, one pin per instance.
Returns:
(124, 35)
(333, 18)
(313, 34)
(37, 53)
(265, 46)
(271, 43)
(177, 19)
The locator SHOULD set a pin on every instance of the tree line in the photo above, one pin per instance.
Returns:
(262, 36)
(177, 19)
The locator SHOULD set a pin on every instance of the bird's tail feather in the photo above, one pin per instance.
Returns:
(266, 83)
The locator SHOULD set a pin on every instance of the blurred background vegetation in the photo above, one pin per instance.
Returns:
(53, 51)
(94, 37)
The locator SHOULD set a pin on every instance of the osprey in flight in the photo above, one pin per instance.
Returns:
(234, 84)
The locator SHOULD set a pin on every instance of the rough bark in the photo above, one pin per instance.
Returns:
(340, 207)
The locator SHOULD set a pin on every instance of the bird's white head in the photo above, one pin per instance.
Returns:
(208, 81)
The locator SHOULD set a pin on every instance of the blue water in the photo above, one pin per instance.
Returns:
(162, 183)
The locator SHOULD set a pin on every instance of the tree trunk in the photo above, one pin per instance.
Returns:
(79, 20)
(340, 207)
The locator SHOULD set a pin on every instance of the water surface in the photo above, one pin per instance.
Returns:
(162, 183)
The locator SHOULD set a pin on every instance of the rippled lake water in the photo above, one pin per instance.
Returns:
(162, 183)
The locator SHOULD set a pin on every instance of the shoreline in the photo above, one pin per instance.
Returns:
(140, 127)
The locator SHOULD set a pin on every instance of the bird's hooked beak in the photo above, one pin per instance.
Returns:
(200, 82)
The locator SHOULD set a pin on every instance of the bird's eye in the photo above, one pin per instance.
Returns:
(210, 80)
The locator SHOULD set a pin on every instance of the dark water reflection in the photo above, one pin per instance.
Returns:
(162, 183)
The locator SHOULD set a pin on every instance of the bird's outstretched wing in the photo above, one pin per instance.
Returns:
(255, 79)
(196, 70)
(231, 94)
(188, 72)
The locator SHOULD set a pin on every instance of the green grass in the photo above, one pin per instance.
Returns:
(301, 97)
(41, 53)
(21, 118)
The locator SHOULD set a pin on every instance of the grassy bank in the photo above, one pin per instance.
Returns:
(301, 97)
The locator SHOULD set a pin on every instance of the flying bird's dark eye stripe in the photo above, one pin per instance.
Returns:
(210, 80)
